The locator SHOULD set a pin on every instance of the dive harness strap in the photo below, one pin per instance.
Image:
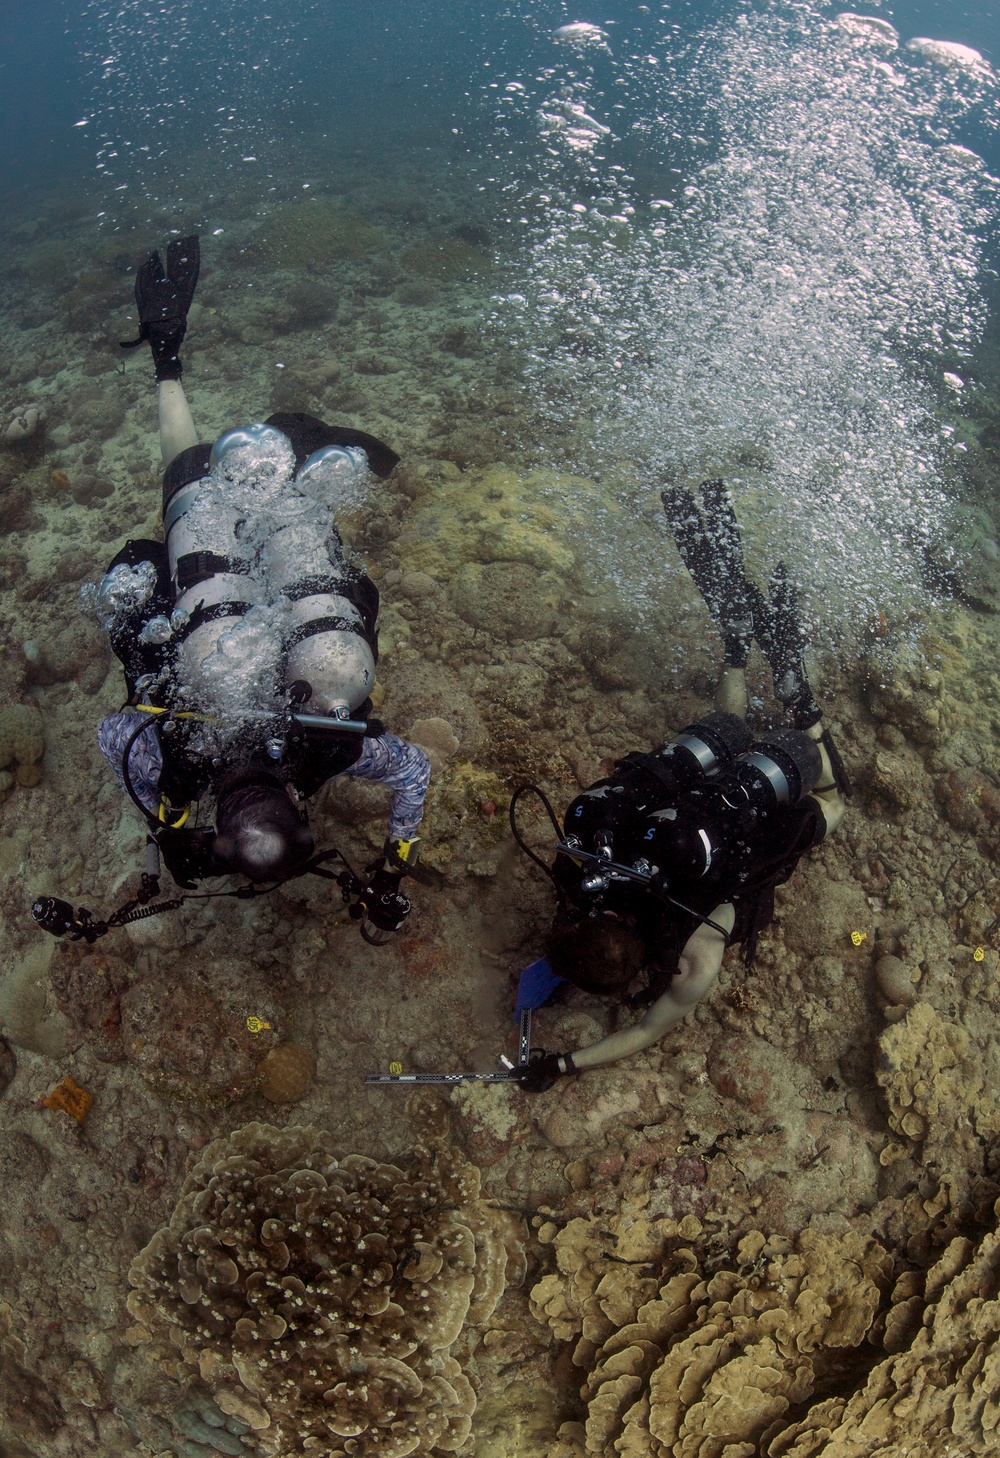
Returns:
(323, 625)
(195, 567)
(317, 584)
(209, 613)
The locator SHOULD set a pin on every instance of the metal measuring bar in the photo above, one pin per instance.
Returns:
(508, 1075)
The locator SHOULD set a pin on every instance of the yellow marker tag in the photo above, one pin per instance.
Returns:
(978, 954)
(395, 1068)
(858, 937)
(256, 1025)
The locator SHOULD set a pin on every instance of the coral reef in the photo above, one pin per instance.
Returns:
(817, 1344)
(286, 1073)
(22, 745)
(772, 1234)
(317, 1296)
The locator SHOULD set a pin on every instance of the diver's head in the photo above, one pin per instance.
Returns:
(259, 831)
(598, 954)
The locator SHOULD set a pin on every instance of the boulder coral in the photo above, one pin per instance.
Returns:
(24, 423)
(497, 515)
(311, 234)
(22, 745)
(316, 1296)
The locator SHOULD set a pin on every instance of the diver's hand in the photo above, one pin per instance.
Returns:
(163, 300)
(543, 1070)
(381, 901)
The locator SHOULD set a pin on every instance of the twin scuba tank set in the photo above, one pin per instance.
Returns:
(325, 655)
(680, 820)
(248, 535)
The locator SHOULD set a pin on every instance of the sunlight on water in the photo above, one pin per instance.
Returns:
(786, 317)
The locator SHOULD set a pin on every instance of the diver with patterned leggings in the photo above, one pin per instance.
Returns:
(676, 855)
(249, 642)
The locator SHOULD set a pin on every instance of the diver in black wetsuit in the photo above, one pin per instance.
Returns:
(249, 529)
(677, 854)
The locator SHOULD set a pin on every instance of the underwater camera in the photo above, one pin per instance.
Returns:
(378, 909)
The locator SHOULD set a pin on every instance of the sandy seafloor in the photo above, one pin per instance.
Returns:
(807, 1165)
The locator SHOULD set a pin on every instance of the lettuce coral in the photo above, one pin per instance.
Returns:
(317, 1296)
(817, 1347)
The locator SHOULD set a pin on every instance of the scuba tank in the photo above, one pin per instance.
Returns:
(329, 642)
(616, 809)
(213, 580)
(321, 638)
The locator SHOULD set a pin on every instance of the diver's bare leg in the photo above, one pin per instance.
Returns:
(731, 691)
(827, 791)
(177, 432)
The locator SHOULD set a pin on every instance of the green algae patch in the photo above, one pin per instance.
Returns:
(446, 262)
(312, 232)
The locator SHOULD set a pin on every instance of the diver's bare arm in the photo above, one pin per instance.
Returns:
(177, 432)
(698, 965)
(827, 796)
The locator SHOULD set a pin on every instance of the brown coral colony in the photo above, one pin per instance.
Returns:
(321, 1293)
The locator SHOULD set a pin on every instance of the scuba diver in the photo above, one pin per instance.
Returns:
(676, 855)
(249, 645)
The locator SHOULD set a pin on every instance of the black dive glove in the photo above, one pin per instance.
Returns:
(163, 301)
(543, 1070)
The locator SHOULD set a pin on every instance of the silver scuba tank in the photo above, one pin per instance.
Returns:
(325, 643)
(212, 575)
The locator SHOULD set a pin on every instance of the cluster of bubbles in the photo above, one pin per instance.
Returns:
(796, 314)
(119, 593)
